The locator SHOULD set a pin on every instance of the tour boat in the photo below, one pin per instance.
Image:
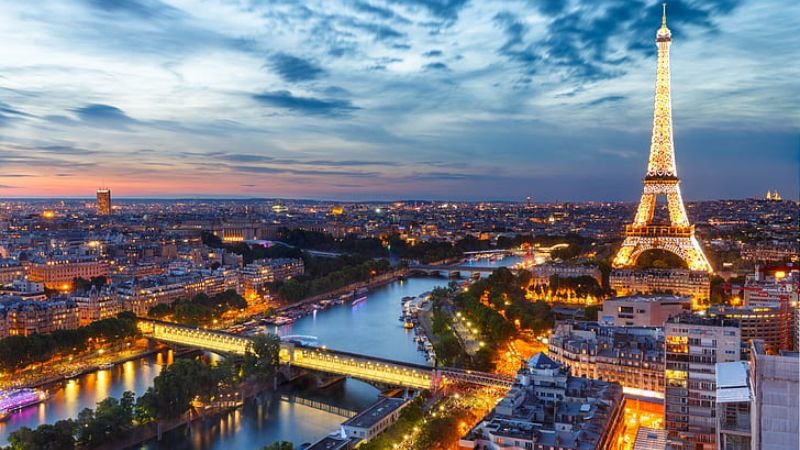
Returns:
(359, 300)
(408, 325)
(106, 366)
(283, 320)
(14, 400)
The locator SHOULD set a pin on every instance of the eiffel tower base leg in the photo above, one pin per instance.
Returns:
(687, 248)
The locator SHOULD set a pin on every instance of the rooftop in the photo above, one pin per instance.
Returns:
(375, 413)
(732, 385)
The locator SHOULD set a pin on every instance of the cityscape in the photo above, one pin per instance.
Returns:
(190, 280)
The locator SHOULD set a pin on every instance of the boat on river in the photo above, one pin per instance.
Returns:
(359, 300)
(15, 400)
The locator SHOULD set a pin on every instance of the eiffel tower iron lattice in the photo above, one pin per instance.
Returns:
(662, 179)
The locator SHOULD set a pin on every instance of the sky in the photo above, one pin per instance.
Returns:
(393, 99)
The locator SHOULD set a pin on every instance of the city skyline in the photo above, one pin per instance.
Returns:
(356, 101)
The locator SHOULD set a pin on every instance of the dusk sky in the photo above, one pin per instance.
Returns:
(393, 99)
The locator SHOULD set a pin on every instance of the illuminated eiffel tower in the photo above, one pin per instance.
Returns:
(662, 179)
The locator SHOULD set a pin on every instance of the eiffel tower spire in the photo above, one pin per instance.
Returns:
(662, 151)
(662, 179)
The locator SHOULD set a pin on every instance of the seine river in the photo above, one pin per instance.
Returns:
(369, 328)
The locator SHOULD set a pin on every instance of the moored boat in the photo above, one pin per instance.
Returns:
(14, 400)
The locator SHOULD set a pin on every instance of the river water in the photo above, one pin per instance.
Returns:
(370, 328)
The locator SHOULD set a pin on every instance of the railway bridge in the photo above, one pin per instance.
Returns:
(367, 368)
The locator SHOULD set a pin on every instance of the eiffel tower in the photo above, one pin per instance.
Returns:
(662, 179)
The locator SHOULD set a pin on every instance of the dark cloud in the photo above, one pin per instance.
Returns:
(515, 48)
(446, 10)
(239, 157)
(379, 32)
(436, 66)
(307, 105)
(145, 9)
(607, 99)
(5, 186)
(63, 149)
(379, 11)
(294, 69)
(582, 44)
(549, 7)
(9, 114)
(104, 116)
(289, 171)
(247, 185)
(432, 54)
(14, 175)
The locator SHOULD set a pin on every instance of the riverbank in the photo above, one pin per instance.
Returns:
(377, 281)
(155, 430)
(80, 367)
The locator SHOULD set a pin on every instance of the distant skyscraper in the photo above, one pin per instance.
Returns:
(645, 233)
(104, 201)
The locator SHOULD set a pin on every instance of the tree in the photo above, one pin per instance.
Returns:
(58, 436)
(262, 360)
(282, 445)
(159, 311)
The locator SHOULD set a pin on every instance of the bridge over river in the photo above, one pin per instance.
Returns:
(453, 269)
(367, 368)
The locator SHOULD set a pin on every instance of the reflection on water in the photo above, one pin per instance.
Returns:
(68, 398)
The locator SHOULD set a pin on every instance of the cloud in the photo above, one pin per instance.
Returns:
(378, 11)
(5, 186)
(436, 66)
(607, 99)
(432, 54)
(294, 69)
(290, 171)
(442, 9)
(104, 116)
(146, 9)
(307, 105)
(247, 185)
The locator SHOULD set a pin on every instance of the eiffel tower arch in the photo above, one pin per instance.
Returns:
(677, 236)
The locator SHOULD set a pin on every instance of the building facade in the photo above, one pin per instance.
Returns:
(772, 324)
(97, 305)
(630, 356)
(643, 310)
(58, 273)
(694, 345)
(690, 283)
(26, 317)
(775, 412)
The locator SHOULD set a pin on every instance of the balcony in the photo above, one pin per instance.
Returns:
(658, 230)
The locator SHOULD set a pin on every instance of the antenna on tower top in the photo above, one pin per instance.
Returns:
(664, 14)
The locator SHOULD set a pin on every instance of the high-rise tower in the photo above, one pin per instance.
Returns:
(644, 233)
(104, 202)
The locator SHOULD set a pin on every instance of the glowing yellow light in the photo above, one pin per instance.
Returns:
(47, 214)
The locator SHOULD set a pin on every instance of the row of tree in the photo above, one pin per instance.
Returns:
(20, 351)
(199, 310)
(309, 285)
